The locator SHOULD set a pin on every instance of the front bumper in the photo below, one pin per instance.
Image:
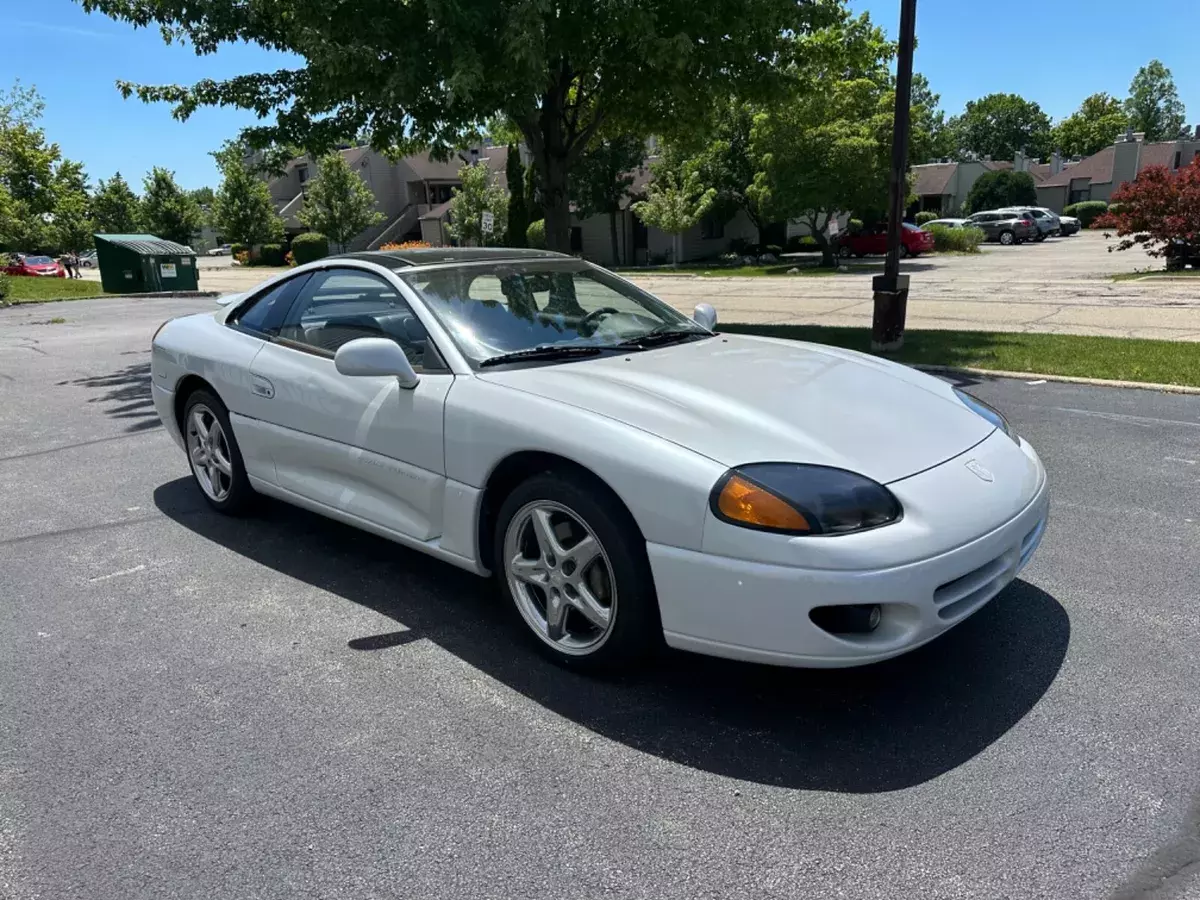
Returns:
(759, 612)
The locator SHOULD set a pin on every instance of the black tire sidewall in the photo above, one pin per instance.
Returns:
(240, 492)
(637, 630)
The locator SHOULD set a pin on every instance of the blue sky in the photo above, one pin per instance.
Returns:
(1056, 53)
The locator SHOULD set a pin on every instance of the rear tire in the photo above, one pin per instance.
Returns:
(214, 455)
(845, 252)
(570, 559)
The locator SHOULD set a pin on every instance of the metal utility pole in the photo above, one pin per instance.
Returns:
(891, 288)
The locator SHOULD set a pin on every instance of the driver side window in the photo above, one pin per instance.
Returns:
(341, 305)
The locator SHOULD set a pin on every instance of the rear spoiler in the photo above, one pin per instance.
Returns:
(229, 299)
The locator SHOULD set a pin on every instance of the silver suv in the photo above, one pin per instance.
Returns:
(1004, 226)
(1047, 221)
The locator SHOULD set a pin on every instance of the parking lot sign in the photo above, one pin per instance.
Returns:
(489, 221)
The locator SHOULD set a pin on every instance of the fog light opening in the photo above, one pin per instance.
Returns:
(858, 619)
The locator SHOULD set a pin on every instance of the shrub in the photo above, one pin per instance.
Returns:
(961, 240)
(238, 249)
(5, 288)
(270, 255)
(994, 190)
(802, 244)
(406, 245)
(1087, 212)
(854, 226)
(535, 235)
(309, 247)
(925, 216)
(1158, 213)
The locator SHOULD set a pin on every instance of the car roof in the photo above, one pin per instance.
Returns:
(431, 256)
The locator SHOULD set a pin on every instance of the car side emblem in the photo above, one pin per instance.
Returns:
(975, 466)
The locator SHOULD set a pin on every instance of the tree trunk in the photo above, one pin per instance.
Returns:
(556, 204)
(612, 231)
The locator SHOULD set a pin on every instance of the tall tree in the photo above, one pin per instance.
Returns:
(1099, 121)
(338, 203)
(676, 200)
(27, 172)
(999, 125)
(601, 181)
(20, 106)
(72, 225)
(726, 162)
(203, 195)
(115, 207)
(168, 211)
(560, 71)
(825, 146)
(478, 194)
(993, 190)
(930, 135)
(242, 209)
(1153, 105)
(518, 209)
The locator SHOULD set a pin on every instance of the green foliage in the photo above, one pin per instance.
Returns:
(825, 145)
(478, 194)
(338, 203)
(5, 288)
(115, 207)
(518, 209)
(727, 161)
(999, 125)
(238, 249)
(271, 255)
(1087, 212)
(1153, 105)
(931, 136)
(854, 226)
(959, 240)
(426, 74)
(535, 235)
(1099, 121)
(993, 190)
(168, 211)
(676, 199)
(802, 244)
(603, 176)
(309, 247)
(242, 208)
(204, 196)
(925, 216)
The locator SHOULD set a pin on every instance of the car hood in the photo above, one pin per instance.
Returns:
(740, 399)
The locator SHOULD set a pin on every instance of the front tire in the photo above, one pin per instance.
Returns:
(570, 559)
(1008, 238)
(214, 455)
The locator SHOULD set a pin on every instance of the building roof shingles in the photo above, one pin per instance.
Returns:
(933, 178)
(1098, 168)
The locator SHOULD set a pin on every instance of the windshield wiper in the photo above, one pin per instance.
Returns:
(658, 338)
(549, 351)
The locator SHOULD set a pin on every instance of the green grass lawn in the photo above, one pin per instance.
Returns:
(1123, 359)
(1156, 273)
(40, 290)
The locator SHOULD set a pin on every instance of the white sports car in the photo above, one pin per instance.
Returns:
(628, 474)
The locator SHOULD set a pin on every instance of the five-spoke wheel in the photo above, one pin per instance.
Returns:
(213, 453)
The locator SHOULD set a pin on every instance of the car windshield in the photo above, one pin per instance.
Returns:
(491, 310)
(38, 260)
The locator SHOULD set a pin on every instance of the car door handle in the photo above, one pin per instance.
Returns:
(260, 387)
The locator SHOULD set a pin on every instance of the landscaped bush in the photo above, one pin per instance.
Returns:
(960, 240)
(1087, 212)
(802, 244)
(270, 255)
(535, 235)
(309, 247)
(854, 226)
(925, 216)
(238, 249)
(5, 287)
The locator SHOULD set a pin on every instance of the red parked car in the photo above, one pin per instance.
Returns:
(38, 266)
(873, 240)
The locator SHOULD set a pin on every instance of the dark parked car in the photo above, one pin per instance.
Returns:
(1179, 254)
(873, 240)
(1005, 227)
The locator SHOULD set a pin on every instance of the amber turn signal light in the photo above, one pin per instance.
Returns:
(744, 501)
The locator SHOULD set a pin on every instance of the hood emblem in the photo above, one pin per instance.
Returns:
(977, 468)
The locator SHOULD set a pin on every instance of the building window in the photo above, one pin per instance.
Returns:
(712, 228)
(1080, 196)
(302, 173)
(1178, 159)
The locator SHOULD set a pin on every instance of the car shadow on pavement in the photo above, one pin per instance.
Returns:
(126, 395)
(881, 728)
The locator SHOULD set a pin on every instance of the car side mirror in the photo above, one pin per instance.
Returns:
(375, 356)
(705, 316)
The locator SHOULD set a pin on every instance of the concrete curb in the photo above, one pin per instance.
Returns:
(1069, 379)
(165, 295)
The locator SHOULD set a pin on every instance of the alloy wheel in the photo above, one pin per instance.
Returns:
(208, 452)
(560, 577)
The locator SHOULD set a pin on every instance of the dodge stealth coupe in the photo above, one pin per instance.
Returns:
(628, 475)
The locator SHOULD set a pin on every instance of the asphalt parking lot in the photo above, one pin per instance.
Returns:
(282, 707)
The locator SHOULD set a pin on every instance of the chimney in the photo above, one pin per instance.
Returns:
(1019, 162)
(1056, 163)
(1198, 132)
(1128, 139)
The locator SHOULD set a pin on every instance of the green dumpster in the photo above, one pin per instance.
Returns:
(144, 264)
